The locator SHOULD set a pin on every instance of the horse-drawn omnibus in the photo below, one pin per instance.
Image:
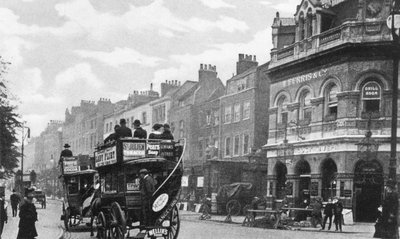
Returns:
(119, 208)
(79, 188)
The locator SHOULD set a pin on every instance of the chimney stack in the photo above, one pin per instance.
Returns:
(245, 63)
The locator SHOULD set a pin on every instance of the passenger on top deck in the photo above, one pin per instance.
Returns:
(167, 133)
(139, 131)
(113, 136)
(158, 130)
(123, 131)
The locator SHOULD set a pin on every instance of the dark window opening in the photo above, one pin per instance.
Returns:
(371, 105)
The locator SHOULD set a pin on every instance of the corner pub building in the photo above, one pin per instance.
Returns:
(331, 76)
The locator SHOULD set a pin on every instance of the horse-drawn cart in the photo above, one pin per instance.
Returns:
(120, 213)
(235, 198)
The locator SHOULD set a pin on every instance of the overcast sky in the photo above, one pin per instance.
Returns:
(63, 51)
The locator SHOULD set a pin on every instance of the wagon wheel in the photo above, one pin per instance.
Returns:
(233, 207)
(175, 225)
(101, 226)
(249, 217)
(67, 214)
(118, 222)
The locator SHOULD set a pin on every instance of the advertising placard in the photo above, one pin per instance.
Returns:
(185, 181)
(132, 150)
(200, 182)
(99, 158)
(70, 165)
(110, 155)
(153, 148)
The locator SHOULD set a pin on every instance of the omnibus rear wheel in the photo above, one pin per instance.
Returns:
(175, 224)
(67, 215)
(118, 222)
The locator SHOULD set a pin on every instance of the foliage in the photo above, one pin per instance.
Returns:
(9, 124)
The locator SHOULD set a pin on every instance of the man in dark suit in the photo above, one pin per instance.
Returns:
(15, 200)
(139, 131)
(113, 136)
(167, 133)
(65, 153)
(123, 131)
(147, 188)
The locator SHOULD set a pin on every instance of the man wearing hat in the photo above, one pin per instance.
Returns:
(123, 131)
(167, 133)
(65, 153)
(28, 217)
(139, 131)
(147, 188)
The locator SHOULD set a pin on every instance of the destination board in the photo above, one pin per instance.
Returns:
(106, 157)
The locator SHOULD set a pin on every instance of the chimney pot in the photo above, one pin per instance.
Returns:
(205, 66)
(277, 15)
(254, 58)
(210, 67)
(166, 81)
(201, 66)
(151, 86)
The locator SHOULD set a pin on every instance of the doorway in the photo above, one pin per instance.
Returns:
(281, 172)
(303, 172)
(328, 173)
(368, 189)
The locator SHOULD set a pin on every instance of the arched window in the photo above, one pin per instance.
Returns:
(282, 110)
(309, 23)
(301, 26)
(305, 106)
(331, 101)
(371, 97)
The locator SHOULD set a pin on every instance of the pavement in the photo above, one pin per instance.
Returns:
(48, 225)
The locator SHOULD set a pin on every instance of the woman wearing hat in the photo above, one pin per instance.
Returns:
(158, 129)
(28, 217)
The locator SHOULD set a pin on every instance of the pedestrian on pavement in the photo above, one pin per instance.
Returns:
(139, 131)
(147, 188)
(158, 130)
(28, 217)
(338, 209)
(316, 214)
(167, 135)
(3, 213)
(15, 199)
(123, 131)
(328, 213)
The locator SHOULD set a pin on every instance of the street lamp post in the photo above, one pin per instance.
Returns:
(24, 136)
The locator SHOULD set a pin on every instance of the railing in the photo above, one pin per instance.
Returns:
(285, 52)
(350, 31)
(329, 36)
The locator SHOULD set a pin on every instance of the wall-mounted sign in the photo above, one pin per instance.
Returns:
(70, 165)
(371, 91)
(305, 77)
(185, 181)
(200, 182)
(314, 189)
(133, 150)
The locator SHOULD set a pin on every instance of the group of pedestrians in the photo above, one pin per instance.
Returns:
(27, 213)
(160, 131)
(333, 208)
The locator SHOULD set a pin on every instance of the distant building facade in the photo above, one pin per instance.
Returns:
(243, 128)
(331, 76)
(185, 121)
(48, 147)
(83, 126)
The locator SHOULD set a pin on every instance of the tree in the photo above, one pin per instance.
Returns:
(9, 123)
